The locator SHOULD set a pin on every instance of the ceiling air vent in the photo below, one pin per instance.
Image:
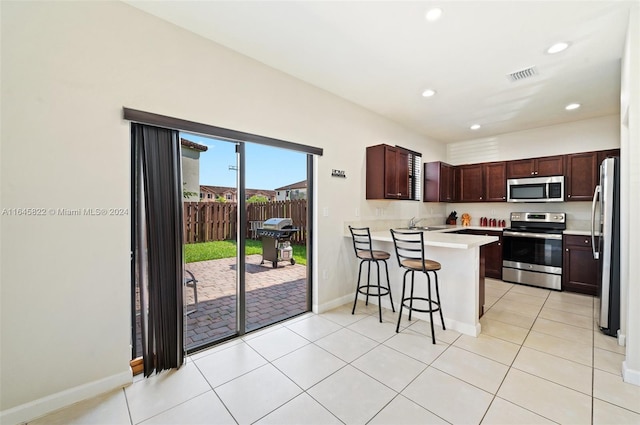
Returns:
(522, 74)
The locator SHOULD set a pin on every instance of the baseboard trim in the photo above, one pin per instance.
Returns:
(630, 376)
(40, 407)
(334, 303)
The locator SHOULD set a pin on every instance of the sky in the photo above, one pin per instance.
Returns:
(266, 167)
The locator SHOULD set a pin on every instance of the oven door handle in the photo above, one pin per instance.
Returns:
(533, 235)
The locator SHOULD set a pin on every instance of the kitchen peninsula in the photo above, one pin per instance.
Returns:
(461, 278)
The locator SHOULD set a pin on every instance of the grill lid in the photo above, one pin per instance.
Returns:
(277, 223)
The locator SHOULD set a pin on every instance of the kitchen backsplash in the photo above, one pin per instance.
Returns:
(432, 214)
(578, 213)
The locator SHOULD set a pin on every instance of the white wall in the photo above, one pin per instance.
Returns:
(630, 201)
(578, 136)
(68, 68)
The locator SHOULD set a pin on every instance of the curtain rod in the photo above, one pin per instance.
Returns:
(150, 118)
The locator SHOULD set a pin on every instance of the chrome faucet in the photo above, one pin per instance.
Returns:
(413, 222)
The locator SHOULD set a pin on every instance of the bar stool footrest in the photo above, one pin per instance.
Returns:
(366, 290)
(406, 301)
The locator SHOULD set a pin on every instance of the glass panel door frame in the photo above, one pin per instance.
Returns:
(239, 138)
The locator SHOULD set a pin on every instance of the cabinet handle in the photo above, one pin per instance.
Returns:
(481, 197)
(586, 241)
(533, 172)
(567, 249)
(568, 196)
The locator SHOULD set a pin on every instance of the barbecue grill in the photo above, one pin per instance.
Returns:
(276, 236)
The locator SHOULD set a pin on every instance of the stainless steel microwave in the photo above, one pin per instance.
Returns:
(536, 189)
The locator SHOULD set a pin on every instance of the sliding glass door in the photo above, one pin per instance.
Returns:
(275, 269)
(244, 275)
(246, 240)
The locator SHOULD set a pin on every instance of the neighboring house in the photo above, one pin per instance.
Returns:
(293, 191)
(191, 168)
(213, 193)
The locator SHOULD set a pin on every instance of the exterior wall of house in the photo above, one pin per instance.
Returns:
(68, 68)
(283, 195)
(191, 173)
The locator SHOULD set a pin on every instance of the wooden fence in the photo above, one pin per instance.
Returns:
(217, 221)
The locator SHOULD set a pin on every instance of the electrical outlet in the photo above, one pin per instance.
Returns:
(325, 211)
(357, 212)
(325, 274)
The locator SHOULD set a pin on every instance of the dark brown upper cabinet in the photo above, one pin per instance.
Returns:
(602, 155)
(471, 183)
(536, 167)
(439, 182)
(581, 176)
(495, 181)
(387, 173)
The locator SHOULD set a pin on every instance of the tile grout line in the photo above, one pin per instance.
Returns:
(513, 361)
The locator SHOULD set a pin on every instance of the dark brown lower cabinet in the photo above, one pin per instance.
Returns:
(492, 253)
(490, 260)
(580, 271)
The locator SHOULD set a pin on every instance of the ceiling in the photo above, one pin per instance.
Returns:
(383, 54)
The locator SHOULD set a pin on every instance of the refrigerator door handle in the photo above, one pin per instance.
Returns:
(596, 196)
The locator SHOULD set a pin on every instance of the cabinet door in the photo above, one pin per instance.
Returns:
(520, 168)
(495, 181)
(536, 167)
(438, 182)
(391, 188)
(402, 174)
(580, 272)
(581, 177)
(471, 183)
(447, 193)
(491, 253)
(549, 166)
(493, 258)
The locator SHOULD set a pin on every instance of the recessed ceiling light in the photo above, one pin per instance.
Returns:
(475, 127)
(428, 92)
(572, 106)
(557, 48)
(433, 15)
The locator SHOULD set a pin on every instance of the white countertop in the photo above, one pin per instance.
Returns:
(443, 238)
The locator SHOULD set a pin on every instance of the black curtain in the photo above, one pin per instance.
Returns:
(158, 246)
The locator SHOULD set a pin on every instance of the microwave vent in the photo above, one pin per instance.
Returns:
(522, 74)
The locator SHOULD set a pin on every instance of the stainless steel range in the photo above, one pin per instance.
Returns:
(532, 249)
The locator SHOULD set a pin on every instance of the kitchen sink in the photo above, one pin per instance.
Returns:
(423, 228)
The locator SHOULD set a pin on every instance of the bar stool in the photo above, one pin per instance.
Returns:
(409, 248)
(366, 254)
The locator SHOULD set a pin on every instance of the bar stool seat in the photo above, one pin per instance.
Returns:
(409, 247)
(361, 237)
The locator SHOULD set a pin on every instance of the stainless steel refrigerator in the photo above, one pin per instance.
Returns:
(605, 239)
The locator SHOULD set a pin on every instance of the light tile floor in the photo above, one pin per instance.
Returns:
(539, 359)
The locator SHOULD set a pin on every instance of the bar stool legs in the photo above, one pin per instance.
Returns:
(378, 290)
(429, 299)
